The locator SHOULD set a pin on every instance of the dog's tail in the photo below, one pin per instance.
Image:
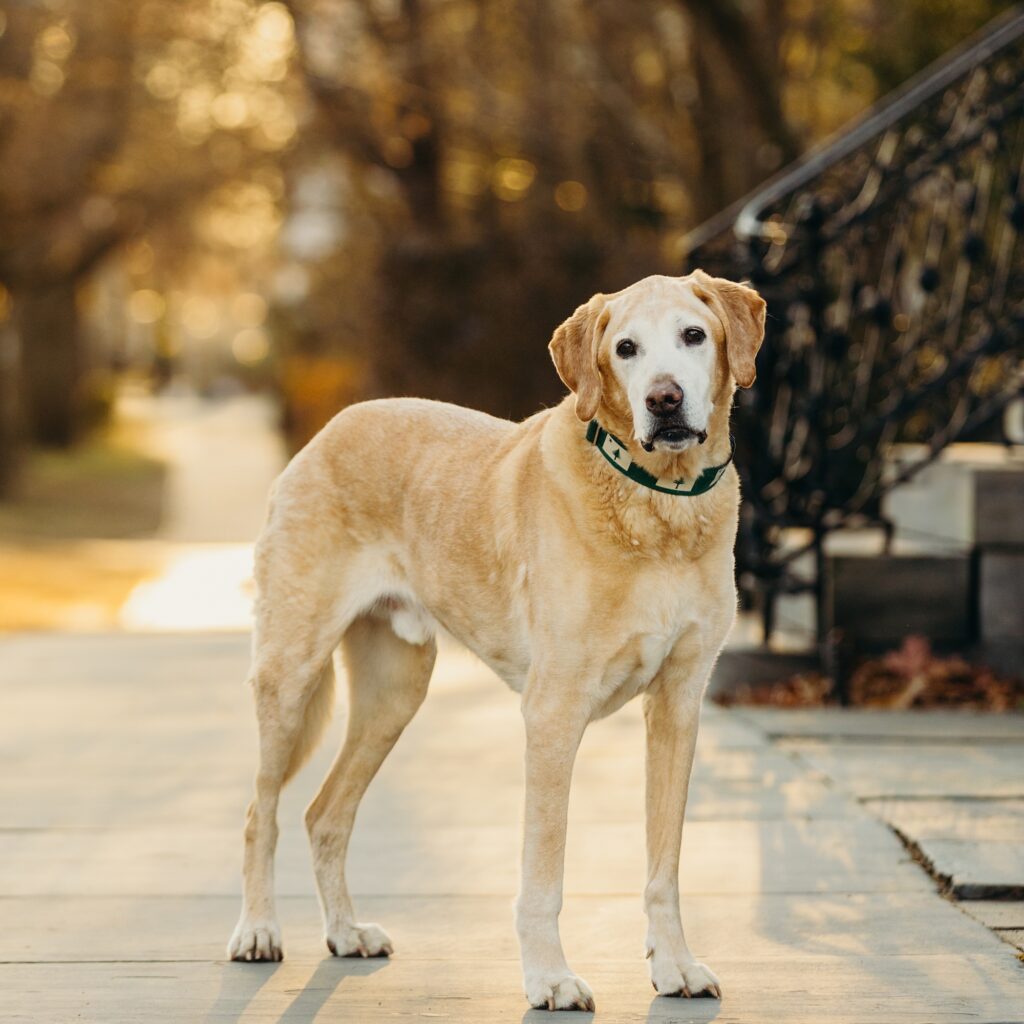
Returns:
(318, 714)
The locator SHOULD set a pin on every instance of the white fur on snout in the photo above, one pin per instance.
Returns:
(662, 357)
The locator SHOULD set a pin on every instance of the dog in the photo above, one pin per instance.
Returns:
(584, 554)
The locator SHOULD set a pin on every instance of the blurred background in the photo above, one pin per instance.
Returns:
(221, 221)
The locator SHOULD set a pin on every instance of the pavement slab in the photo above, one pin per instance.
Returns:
(128, 761)
(770, 925)
(410, 858)
(943, 989)
(937, 726)
(926, 769)
(950, 783)
(996, 913)
(977, 846)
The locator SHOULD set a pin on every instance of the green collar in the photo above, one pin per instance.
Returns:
(617, 454)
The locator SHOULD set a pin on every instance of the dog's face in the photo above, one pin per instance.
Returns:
(661, 354)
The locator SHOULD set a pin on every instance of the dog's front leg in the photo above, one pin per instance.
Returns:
(672, 714)
(553, 733)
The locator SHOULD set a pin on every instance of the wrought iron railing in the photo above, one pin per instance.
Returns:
(892, 262)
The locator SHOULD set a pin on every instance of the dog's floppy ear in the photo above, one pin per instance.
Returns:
(741, 311)
(574, 351)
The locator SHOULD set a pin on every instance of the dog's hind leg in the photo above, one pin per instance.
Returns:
(293, 683)
(387, 680)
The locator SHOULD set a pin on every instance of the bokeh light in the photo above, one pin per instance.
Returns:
(146, 306)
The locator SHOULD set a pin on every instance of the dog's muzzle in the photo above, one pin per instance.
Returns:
(665, 406)
(674, 432)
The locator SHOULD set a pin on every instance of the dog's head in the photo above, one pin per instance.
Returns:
(661, 355)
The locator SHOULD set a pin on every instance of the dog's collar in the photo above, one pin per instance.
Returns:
(617, 454)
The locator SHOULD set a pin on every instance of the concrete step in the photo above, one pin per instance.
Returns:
(878, 600)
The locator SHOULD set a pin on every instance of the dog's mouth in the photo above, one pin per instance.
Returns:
(673, 435)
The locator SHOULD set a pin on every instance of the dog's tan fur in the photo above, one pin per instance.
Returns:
(579, 587)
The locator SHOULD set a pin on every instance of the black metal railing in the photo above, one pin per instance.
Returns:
(892, 264)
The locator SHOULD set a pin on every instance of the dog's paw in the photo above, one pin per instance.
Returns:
(559, 993)
(359, 940)
(683, 978)
(256, 941)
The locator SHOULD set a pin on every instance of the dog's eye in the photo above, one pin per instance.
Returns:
(626, 348)
(693, 335)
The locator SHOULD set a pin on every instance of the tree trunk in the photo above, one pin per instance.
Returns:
(713, 190)
(10, 421)
(46, 319)
(755, 71)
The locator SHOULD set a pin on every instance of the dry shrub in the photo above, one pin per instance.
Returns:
(915, 677)
(807, 690)
(911, 677)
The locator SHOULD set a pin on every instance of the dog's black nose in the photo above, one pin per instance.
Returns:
(665, 399)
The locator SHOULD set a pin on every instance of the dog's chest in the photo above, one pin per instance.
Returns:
(631, 669)
(686, 617)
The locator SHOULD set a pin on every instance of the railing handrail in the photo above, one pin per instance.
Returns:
(744, 214)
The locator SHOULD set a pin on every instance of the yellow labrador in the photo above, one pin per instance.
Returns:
(618, 506)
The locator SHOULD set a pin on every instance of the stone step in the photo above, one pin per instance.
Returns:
(972, 494)
(878, 600)
(999, 508)
(1001, 593)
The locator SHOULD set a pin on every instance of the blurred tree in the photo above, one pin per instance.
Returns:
(742, 40)
(495, 190)
(502, 160)
(466, 173)
(49, 231)
(114, 118)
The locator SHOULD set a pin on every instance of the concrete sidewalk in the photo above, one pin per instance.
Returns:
(128, 763)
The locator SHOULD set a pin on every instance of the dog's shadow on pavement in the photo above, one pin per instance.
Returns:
(677, 1011)
(239, 988)
(661, 1011)
(322, 983)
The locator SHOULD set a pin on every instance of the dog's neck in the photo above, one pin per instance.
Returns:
(688, 464)
(637, 519)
